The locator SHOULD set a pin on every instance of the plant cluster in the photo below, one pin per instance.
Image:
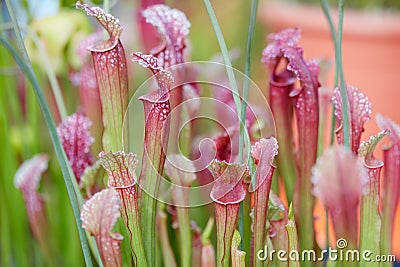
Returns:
(121, 213)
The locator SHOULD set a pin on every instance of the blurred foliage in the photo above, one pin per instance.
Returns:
(60, 46)
(23, 134)
(360, 4)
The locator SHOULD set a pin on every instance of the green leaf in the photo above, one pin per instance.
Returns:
(238, 256)
(292, 233)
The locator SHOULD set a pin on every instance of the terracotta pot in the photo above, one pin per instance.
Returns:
(371, 54)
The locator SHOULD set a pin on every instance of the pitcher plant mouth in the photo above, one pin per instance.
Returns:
(99, 214)
(156, 113)
(120, 167)
(173, 27)
(303, 101)
(263, 152)
(360, 111)
(227, 193)
(112, 76)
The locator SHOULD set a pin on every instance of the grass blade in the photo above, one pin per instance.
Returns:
(337, 40)
(24, 64)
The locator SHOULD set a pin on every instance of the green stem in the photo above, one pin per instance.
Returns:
(337, 40)
(241, 223)
(238, 256)
(148, 218)
(292, 236)
(260, 217)
(243, 226)
(370, 225)
(247, 72)
(325, 8)
(343, 90)
(185, 236)
(168, 254)
(246, 235)
(136, 244)
(207, 232)
(60, 153)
